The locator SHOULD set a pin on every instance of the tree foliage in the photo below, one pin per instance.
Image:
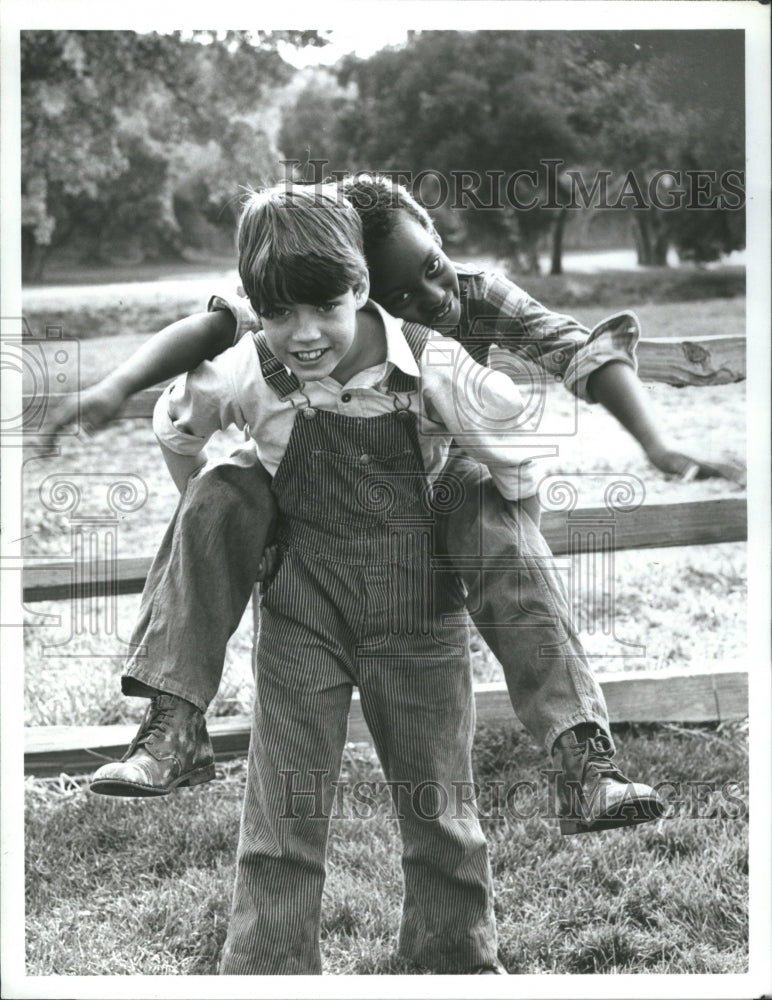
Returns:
(626, 102)
(139, 144)
(113, 120)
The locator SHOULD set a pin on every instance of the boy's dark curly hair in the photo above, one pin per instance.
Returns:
(377, 198)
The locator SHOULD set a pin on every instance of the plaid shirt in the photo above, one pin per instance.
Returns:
(496, 312)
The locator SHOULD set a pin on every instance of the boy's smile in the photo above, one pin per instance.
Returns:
(310, 357)
(315, 341)
(412, 278)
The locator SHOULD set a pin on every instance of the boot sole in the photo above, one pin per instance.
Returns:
(645, 811)
(131, 789)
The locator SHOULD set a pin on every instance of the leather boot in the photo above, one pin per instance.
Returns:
(171, 750)
(593, 794)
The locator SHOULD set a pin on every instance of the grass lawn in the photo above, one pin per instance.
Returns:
(130, 887)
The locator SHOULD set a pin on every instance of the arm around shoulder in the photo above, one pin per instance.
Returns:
(177, 348)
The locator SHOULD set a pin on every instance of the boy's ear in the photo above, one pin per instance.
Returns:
(362, 292)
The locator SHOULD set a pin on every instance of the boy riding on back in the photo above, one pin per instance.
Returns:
(556, 697)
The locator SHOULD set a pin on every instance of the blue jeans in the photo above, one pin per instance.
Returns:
(202, 577)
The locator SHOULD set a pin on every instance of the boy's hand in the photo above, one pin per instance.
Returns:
(269, 564)
(673, 463)
(92, 408)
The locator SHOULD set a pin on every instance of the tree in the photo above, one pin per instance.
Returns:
(106, 116)
(631, 103)
(448, 102)
(672, 101)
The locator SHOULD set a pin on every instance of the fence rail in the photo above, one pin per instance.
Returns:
(715, 692)
(700, 522)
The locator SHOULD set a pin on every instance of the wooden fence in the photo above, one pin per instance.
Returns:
(718, 691)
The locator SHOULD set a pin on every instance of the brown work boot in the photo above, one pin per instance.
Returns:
(171, 750)
(593, 794)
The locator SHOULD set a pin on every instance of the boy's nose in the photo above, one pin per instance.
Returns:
(307, 333)
(432, 298)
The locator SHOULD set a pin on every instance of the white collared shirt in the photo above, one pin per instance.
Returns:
(456, 398)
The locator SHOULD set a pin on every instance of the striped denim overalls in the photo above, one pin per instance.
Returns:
(355, 602)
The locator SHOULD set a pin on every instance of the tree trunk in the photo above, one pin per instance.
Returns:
(651, 239)
(556, 265)
(641, 237)
(34, 256)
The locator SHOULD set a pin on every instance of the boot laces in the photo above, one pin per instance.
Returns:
(597, 752)
(153, 723)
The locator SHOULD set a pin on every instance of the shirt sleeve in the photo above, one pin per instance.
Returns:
(196, 405)
(614, 339)
(500, 312)
(480, 409)
(241, 310)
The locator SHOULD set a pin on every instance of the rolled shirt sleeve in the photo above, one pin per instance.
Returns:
(500, 312)
(241, 310)
(196, 405)
(613, 339)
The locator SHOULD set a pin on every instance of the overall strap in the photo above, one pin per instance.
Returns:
(282, 381)
(416, 336)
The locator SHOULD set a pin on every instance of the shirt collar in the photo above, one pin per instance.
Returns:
(398, 352)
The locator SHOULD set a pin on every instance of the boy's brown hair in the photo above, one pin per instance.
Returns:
(299, 244)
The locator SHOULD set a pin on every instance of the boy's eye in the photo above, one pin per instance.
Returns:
(279, 312)
(434, 268)
(328, 306)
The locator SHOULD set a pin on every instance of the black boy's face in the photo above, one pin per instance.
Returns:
(412, 278)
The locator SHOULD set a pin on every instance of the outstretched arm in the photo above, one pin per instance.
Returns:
(178, 348)
(603, 360)
(616, 386)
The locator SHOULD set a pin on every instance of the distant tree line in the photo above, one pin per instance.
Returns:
(632, 104)
(139, 144)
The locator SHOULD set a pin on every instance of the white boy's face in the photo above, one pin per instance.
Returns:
(312, 340)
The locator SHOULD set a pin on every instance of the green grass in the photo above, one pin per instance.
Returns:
(129, 887)
(622, 289)
(64, 271)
